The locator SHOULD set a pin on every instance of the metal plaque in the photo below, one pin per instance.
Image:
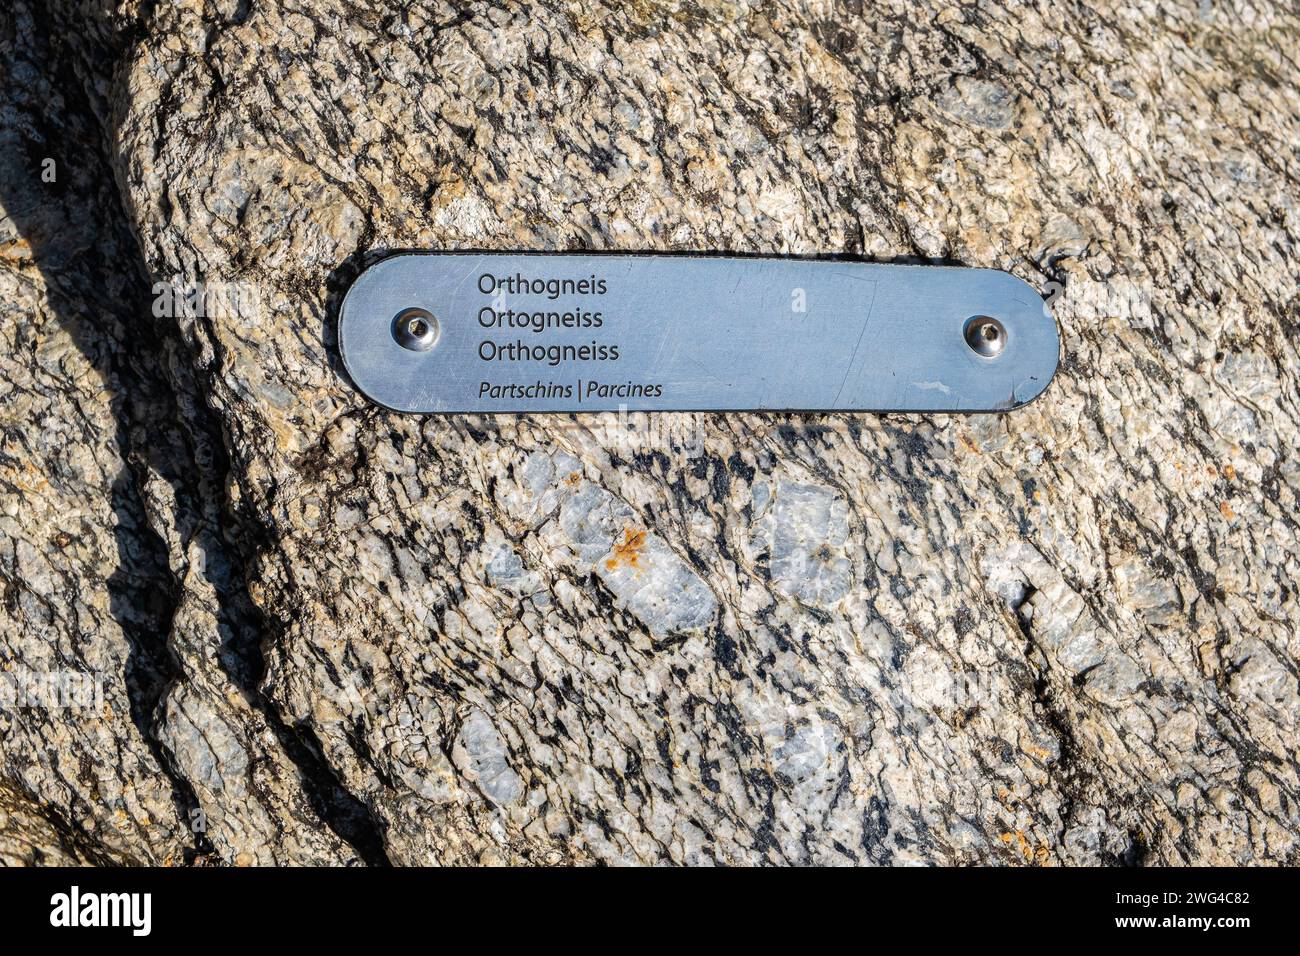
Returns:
(512, 332)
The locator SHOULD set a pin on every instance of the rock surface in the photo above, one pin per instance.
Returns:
(329, 633)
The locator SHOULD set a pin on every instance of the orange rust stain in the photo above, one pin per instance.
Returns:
(1022, 844)
(17, 249)
(572, 479)
(629, 551)
(1230, 472)
(1039, 855)
(1226, 510)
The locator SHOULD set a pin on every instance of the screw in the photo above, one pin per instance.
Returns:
(416, 329)
(985, 335)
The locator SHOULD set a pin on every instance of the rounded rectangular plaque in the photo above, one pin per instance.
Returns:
(531, 332)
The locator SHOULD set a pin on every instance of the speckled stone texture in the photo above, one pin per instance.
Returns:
(329, 633)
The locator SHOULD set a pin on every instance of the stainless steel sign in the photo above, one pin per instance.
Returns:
(508, 332)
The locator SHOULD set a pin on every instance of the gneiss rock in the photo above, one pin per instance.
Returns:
(84, 590)
(1066, 635)
(128, 706)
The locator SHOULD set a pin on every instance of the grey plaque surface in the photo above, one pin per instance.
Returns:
(515, 332)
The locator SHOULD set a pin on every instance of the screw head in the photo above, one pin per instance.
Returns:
(416, 329)
(985, 335)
